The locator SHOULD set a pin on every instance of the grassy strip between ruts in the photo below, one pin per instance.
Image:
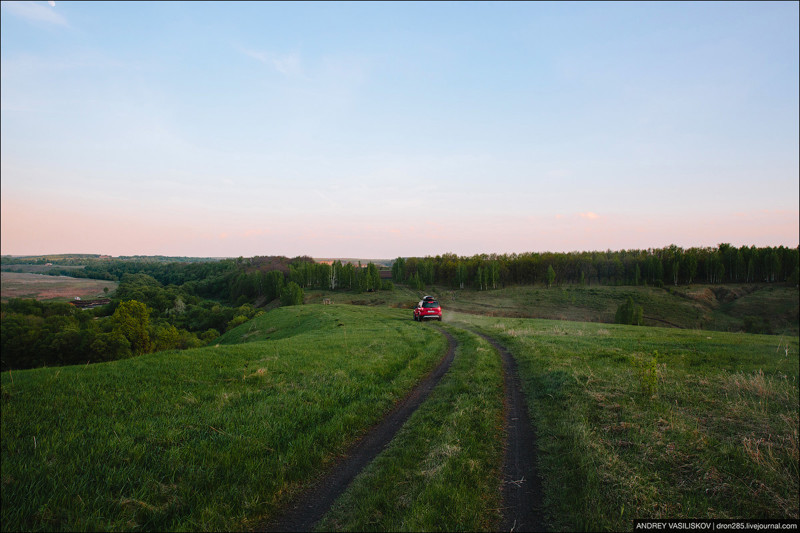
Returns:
(443, 469)
(638, 422)
(209, 439)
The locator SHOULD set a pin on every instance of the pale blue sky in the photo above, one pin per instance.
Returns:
(387, 129)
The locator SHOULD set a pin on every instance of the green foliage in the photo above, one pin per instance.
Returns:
(757, 324)
(629, 313)
(237, 321)
(648, 374)
(399, 270)
(551, 275)
(291, 294)
(131, 320)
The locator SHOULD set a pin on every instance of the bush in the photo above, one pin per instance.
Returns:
(292, 294)
(629, 313)
(756, 324)
(236, 321)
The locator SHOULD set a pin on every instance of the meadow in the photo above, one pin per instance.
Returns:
(637, 422)
(756, 308)
(214, 438)
(633, 422)
(51, 288)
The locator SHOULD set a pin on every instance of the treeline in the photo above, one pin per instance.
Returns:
(656, 267)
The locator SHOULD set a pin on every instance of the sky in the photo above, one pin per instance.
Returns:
(379, 130)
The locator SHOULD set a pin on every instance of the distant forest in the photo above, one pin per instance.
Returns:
(655, 267)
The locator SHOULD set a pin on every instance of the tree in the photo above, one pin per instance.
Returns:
(461, 274)
(372, 278)
(292, 294)
(551, 275)
(399, 270)
(629, 313)
(132, 320)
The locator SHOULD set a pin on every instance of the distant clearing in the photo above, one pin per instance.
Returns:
(41, 287)
(709, 307)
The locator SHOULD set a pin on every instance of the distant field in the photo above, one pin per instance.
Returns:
(40, 269)
(773, 307)
(57, 288)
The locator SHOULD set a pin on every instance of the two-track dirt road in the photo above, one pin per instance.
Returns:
(520, 485)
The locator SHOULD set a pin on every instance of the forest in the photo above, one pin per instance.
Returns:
(655, 267)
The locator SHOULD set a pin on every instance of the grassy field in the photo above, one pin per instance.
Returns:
(638, 422)
(773, 308)
(207, 439)
(633, 422)
(52, 288)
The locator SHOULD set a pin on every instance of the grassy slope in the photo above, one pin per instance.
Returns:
(207, 439)
(713, 307)
(217, 438)
(716, 436)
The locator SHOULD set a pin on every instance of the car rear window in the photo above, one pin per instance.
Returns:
(429, 305)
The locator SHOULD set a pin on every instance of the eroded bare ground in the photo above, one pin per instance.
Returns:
(312, 505)
(522, 488)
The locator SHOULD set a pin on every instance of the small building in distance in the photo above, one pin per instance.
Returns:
(89, 304)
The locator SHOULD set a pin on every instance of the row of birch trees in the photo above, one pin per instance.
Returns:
(657, 267)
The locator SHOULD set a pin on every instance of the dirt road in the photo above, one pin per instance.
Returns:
(313, 504)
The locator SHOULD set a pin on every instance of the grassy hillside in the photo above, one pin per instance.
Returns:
(639, 422)
(206, 439)
(632, 421)
(757, 308)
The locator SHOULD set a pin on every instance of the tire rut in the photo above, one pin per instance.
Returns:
(314, 503)
(522, 488)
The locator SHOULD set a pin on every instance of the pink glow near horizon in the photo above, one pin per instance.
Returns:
(38, 229)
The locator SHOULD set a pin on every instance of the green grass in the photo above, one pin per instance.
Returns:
(637, 422)
(443, 469)
(633, 422)
(208, 439)
(693, 307)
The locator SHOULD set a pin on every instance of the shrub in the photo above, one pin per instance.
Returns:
(292, 294)
(629, 313)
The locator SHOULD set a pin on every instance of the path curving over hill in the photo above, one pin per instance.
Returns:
(312, 505)
(522, 488)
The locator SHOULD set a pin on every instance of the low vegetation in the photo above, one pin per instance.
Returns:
(657, 423)
(206, 439)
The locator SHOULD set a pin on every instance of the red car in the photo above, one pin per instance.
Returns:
(427, 309)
